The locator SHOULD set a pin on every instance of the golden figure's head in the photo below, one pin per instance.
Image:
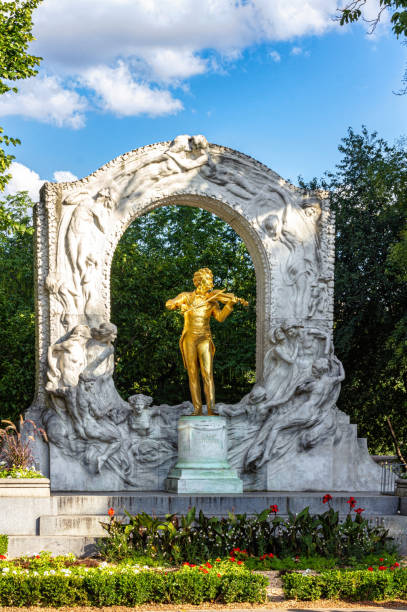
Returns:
(203, 279)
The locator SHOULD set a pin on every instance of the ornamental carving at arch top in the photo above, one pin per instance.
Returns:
(287, 433)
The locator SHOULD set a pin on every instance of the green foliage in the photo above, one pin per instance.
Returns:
(354, 11)
(3, 544)
(369, 197)
(17, 358)
(192, 538)
(127, 585)
(318, 563)
(15, 64)
(360, 585)
(15, 472)
(155, 260)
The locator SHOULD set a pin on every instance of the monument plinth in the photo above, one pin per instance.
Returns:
(202, 465)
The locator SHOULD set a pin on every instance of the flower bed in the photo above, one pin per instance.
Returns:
(14, 472)
(32, 582)
(198, 537)
(374, 584)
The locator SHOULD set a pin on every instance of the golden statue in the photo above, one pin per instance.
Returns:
(196, 342)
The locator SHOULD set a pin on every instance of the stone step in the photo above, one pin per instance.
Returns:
(73, 525)
(80, 546)
(162, 503)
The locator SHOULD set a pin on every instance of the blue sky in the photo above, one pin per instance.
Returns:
(275, 80)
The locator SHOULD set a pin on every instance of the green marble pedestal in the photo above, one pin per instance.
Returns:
(202, 465)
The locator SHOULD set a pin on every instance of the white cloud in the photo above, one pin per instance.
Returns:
(275, 56)
(296, 51)
(45, 99)
(169, 64)
(128, 56)
(119, 93)
(64, 176)
(24, 179)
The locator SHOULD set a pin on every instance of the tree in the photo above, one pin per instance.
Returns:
(17, 357)
(354, 11)
(15, 64)
(369, 197)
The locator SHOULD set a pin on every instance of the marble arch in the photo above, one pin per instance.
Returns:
(112, 444)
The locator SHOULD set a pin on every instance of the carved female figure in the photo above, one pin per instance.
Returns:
(279, 364)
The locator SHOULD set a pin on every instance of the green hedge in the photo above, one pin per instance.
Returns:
(125, 586)
(360, 585)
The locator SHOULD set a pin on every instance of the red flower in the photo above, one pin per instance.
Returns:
(359, 510)
(232, 559)
(326, 498)
(239, 562)
(243, 552)
(192, 565)
(370, 569)
(396, 564)
(205, 571)
(110, 512)
(219, 575)
(352, 502)
(208, 564)
(37, 556)
(3, 557)
(271, 555)
(186, 563)
(382, 567)
(274, 508)
(391, 568)
(218, 560)
(381, 559)
(236, 550)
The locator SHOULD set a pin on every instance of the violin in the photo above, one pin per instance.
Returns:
(223, 298)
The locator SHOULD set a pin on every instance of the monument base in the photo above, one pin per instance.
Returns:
(202, 465)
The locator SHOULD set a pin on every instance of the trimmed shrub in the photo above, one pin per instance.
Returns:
(129, 586)
(359, 585)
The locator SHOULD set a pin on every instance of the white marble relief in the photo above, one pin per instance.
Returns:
(99, 440)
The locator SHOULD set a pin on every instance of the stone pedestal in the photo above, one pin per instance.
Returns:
(202, 465)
